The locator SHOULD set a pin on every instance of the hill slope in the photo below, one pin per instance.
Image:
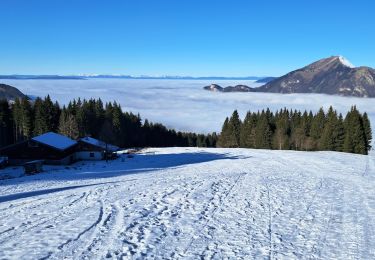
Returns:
(9, 92)
(334, 75)
(194, 203)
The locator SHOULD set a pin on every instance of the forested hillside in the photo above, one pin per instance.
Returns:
(296, 130)
(24, 119)
(10, 93)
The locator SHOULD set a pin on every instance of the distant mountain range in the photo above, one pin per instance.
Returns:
(84, 77)
(334, 75)
(10, 93)
(51, 77)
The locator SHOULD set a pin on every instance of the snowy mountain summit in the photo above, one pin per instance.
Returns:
(345, 62)
(334, 75)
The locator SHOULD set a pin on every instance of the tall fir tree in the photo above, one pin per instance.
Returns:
(355, 137)
(317, 127)
(367, 129)
(26, 118)
(17, 120)
(247, 136)
(40, 118)
(281, 137)
(224, 135)
(6, 136)
(328, 139)
(263, 133)
(234, 130)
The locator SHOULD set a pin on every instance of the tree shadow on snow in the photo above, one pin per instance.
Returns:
(28, 194)
(91, 170)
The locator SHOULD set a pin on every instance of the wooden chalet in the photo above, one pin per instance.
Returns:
(51, 147)
(89, 148)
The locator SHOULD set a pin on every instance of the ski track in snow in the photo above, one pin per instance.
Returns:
(196, 203)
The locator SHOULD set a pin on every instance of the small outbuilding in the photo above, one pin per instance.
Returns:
(89, 148)
(33, 167)
(50, 147)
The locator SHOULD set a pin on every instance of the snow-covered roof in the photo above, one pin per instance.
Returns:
(99, 143)
(54, 140)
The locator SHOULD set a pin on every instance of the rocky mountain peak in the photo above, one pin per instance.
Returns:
(332, 75)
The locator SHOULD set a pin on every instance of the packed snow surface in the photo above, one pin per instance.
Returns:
(57, 141)
(190, 203)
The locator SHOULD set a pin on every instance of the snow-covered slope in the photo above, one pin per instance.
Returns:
(192, 203)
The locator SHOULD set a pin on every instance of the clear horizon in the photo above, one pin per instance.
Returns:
(193, 38)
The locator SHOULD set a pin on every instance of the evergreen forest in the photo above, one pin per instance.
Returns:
(283, 130)
(296, 130)
(24, 119)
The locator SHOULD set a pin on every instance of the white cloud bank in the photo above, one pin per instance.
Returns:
(183, 104)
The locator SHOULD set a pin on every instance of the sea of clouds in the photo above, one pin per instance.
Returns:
(183, 104)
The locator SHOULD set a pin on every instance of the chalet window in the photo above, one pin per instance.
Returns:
(92, 155)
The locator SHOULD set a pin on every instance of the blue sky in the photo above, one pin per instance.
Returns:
(181, 37)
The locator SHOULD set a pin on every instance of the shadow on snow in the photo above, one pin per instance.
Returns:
(141, 163)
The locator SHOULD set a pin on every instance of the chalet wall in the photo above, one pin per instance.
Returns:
(89, 155)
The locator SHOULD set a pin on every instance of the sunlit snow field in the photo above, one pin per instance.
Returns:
(192, 203)
(183, 104)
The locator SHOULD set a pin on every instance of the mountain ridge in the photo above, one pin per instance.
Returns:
(104, 76)
(334, 75)
(10, 93)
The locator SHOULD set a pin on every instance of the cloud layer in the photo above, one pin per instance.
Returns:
(183, 104)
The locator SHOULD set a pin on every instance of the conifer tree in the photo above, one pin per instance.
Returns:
(68, 125)
(305, 126)
(234, 131)
(26, 118)
(17, 120)
(355, 137)
(263, 133)
(6, 136)
(328, 138)
(281, 139)
(339, 134)
(212, 139)
(106, 132)
(247, 136)
(368, 131)
(317, 127)
(40, 119)
(225, 133)
(22, 113)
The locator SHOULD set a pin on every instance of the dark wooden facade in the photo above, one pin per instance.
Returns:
(31, 150)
